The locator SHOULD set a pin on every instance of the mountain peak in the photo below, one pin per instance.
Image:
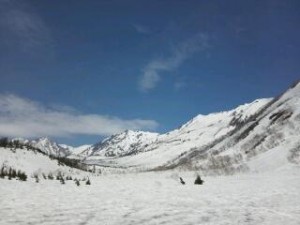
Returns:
(123, 143)
(49, 147)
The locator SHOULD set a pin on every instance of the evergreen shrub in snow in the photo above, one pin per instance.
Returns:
(199, 180)
(11, 173)
(77, 182)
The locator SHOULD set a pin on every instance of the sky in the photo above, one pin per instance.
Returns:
(79, 71)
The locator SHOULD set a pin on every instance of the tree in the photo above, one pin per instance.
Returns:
(50, 176)
(22, 176)
(4, 142)
(2, 172)
(12, 173)
(36, 177)
(182, 181)
(77, 182)
(198, 180)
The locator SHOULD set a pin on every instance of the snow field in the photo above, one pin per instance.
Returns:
(155, 198)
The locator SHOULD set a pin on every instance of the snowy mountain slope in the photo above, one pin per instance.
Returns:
(126, 143)
(225, 142)
(76, 150)
(270, 141)
(33, 162)
(49, 147)
(200, 131)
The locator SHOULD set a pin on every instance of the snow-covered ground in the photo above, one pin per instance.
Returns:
(156, 198)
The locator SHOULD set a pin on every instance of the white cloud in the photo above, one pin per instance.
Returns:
(21, 117)
(151, 73)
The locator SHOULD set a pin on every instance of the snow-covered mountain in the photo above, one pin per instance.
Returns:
(123, 144)
(33, 161)
(230, 140)
(76, 150)
(269, 140)
(159, 149)
(261, 135)
(49, 147)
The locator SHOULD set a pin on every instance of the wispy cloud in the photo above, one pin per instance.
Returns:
(22, 25)
(20, 117)
(142, 29)
(151, 72)
(179, 85)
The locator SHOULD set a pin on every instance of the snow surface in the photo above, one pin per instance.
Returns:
(155, 198)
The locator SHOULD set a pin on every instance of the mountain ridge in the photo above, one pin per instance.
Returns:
(223, 141)
(191, 145)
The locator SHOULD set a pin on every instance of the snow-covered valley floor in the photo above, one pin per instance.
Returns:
(155, 198)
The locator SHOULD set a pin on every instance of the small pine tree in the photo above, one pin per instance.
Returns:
(50, 176)
(36, 177)
(88, 182)
(13, 173)
(198, 180)
(10, 173)
(59, 175)
(22, 176)
(62, 181)
(2, 172)
(4, 142)
(182, 181)
(77, 182)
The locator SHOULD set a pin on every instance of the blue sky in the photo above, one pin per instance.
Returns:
(77, 71)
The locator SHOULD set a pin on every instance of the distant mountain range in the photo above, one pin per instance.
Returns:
(261, 135)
